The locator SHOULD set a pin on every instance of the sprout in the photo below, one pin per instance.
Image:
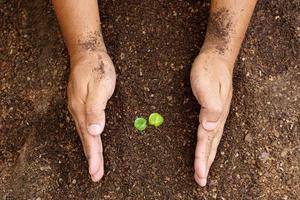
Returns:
(156, 119)
(140, 123)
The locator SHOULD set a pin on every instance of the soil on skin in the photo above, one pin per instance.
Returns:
(152, 44)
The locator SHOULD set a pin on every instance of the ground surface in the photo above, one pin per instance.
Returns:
(152, 44)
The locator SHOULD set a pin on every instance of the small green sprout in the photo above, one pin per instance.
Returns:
(140, 123)
(156, 119)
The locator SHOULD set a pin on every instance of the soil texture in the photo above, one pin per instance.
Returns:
(152, 44)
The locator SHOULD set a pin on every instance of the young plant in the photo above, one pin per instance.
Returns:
(156, 119)
(140, 123)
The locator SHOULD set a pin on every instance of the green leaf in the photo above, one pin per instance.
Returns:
(156, 119)
(140, 123)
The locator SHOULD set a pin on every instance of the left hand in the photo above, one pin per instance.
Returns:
(211, 81)
(92, 83)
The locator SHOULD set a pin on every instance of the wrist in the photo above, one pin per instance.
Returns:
(211, 53)
(88, 44)
(229, 55)
(228, 52)
(86, 55)
(80, 53)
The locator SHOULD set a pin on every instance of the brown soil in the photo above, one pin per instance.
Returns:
(152, 44)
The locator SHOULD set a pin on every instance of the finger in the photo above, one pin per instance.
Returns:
(209, 118)
(199, 181)
(99, 174)
(94, 153)
(213, 150)
(201, 155)
(211, 106)
(95, 109)
(95, 116)
(95, 156)
(92, 145)
(210, 114)
(95, 120)
(218, 136)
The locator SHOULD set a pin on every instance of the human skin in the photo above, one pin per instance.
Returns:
(211, 76)
(92, 78)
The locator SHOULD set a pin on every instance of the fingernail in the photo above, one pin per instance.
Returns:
(94, 129)
(202, 182)
(209, 125)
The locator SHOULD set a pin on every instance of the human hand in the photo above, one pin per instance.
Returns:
(91, 84)
(211, 81)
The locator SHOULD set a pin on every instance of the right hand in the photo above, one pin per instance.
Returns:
(91, 84)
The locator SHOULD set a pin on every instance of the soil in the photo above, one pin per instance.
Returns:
(152, 44)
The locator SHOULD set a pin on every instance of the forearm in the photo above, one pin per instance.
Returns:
(227, 25)
(80, 24)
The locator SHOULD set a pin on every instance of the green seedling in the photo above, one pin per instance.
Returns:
(156, 119)
(140, 123)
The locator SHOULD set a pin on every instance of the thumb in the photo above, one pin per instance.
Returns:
(211, 109)
(209, 117)
(95, 111)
